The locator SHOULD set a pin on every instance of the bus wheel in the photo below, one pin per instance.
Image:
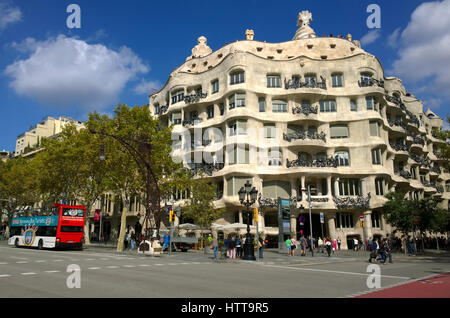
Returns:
(16, 243)
(40, 245)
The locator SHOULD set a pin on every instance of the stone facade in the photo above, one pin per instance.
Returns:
(326, 117)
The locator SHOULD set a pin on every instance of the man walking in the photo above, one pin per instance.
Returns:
(374, 250)
(166, 241)
(215, 246)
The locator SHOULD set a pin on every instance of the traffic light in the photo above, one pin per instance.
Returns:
(171, 216)
(255, 214)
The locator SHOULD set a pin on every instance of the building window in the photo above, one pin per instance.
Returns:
(376, 219)
(269, 130)
(377, 158)
(374, 128)
(262, 104)
(353, 106)
(365, 78)
(344, 220)
(342, 157)
(273, 81)
(379, 186)
(275, 189)
(337, 80)
(349, 187)
(177, 97)
(237, 100)
(328, 106)
(236, 183)
(237, 77)
(176, 118)
(338, 131)
(222, 109)
(215, 86)
(371, 103)
(239, 154)
(275, 157)
(210, 112)
(279, 106)
(237, 127)
(310, 80)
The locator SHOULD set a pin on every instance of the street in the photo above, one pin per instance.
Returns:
(106, 273)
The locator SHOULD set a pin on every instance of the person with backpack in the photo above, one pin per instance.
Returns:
(374, 250)
(328, 246)
(293, 246)
(238, 247)
(232, 248)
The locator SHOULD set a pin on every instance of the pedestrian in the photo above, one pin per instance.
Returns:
(374, 250)
(303, 245)
(328, 245)
(232, 248)
(339, 243)
(334, 245)
(355, 244)
(132, 240)
(238, 247)
(288, 246)
(166, 241)
(215, 246)
(293, 246)
(382, 252)
(125, 240)
(260, 247)
(389, 249)
(320, 241)
(227, 243)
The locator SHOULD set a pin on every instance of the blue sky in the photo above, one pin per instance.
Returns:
(135, 44)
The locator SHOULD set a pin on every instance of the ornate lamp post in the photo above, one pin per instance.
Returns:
(247, 197)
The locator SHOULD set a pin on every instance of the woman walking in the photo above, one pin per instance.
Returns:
(328, 246)
(293, 246)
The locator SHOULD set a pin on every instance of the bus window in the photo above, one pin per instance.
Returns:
(73, 212)
(71, 229)
(16, 230)
(46, 231)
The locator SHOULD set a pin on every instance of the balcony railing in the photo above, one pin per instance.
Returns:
(352, 202)
(294, 83)
(192, 122)
(367, 82)
(436, 169)
(419, 141)
(194, 98)
(206, 168)
(399, 146)
(413, 118)
(420, 159)
(393, 99)
(305, 109)
(267, 202)
(403, 173)
(162, 110)
(305, 135)
(319, 163)
(397, 122)
(439, 188)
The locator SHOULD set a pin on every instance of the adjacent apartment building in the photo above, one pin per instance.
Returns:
(48, 127)
(315, 112)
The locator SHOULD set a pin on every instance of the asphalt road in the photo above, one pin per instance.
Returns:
(105, 273)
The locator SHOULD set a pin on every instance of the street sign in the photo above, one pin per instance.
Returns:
(301, 220)
(322, 218)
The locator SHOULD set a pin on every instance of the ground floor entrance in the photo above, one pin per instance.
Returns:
(304, 228)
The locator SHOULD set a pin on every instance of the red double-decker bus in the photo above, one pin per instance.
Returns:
(61, 227)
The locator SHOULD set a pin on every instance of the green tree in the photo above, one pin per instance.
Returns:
(444, 146)
(18, 186)
(200, 206)
(431, 217)
(148, 143)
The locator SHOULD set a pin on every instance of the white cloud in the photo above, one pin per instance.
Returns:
(393, 38)
(147, 87)
(67, 72)
(425, 45)
(8, 14)
(370, 37)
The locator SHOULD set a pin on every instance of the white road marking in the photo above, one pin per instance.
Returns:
(94, 268)
(112, 266)
(130, 266)
(3, 263)
(5, 276)
(90, 259)
(41, 261)
(18, 257)
(144, 265)
(159, 264)
(335, 272)
(28, 273)
(58, 260)
(22, 262)
(52, 271)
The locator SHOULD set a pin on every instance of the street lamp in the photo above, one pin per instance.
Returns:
(247, 197)
(302, 210)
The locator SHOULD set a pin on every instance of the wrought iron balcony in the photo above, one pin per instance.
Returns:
(192, 122)
(367, 82)
(206, 168)
(397, 122)
(393, 99)
(194, 98)
(267, 202)
(436, 169)
(305, 109)
(439, 188)
(305, 135)
(413, 118)
(319, 163)
(163, 109)
(403, 173)
(423, 161)
(419, 141)
(352, 202)
(294, 83)
(399, 146)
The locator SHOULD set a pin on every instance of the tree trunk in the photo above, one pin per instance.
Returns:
(437, 243)
(123, 224)
(87, 223)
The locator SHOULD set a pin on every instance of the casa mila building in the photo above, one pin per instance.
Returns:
(312, 113)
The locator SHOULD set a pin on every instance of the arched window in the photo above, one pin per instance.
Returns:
(342, 157)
